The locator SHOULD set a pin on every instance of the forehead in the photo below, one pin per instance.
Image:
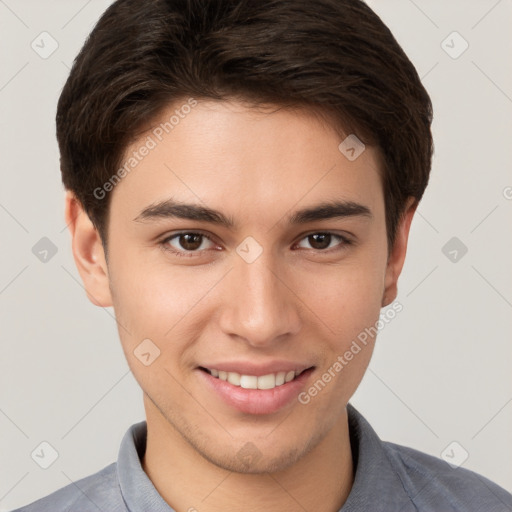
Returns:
(242, 160)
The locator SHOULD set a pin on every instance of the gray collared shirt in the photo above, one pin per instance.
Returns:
(388, 478)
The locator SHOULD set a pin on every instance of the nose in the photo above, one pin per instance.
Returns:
(259, 306)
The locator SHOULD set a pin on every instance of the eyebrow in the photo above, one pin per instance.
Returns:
(170, 208)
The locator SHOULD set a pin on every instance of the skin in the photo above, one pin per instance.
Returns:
(294, 302)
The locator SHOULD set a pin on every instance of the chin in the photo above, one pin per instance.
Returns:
(256, 463)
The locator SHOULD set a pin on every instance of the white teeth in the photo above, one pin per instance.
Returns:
(269, 381)
(289, 376)
(280, 378)
(249, 382)
(234, 378)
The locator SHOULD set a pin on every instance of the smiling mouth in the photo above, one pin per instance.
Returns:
(269, 381)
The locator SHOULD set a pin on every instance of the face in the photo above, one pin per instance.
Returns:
(271, 297)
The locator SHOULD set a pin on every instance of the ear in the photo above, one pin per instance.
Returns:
(88, 252)
(396, 257)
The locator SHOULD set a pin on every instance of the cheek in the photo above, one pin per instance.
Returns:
(153, 310)
(346, 299)
(164, 303)
(349, 310)
(348, 304)
(153, 295)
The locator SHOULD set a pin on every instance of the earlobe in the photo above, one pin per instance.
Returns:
(88, 252)
(397, 254)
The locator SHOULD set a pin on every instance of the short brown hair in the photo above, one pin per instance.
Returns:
(335, 57)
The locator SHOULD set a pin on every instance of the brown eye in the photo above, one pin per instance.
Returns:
(190, 241)
(185, 243)
(322, 241)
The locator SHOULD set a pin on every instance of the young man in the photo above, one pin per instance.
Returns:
(241, 178)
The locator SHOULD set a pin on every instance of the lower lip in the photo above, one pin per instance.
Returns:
(257, 401)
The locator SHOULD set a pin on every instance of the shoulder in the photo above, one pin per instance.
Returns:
(431, 483)
(99, 491)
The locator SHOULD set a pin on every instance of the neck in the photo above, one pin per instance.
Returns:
(320, 481)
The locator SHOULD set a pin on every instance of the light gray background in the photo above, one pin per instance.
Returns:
(441, 371)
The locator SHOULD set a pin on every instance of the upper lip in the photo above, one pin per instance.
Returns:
(252, 368)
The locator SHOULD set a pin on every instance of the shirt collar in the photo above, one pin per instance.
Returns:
(376, 486)
(138, 491)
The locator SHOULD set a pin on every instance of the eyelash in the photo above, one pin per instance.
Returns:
(191, 254)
